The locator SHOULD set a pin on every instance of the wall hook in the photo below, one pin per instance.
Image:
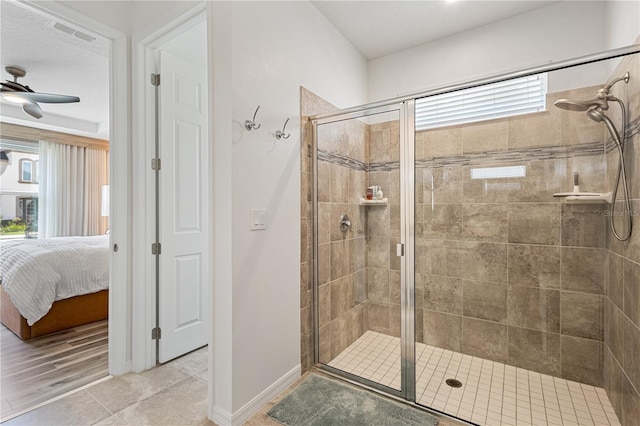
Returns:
(280, 134)
(251, 124)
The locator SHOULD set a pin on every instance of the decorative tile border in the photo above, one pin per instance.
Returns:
(501, 157)
(386, 166)
(633, 128)
(488, 157)
(528, 154)
(341, 160)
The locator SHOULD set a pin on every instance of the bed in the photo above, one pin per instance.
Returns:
(48, 285)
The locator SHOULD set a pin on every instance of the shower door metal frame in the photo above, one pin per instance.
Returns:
(406, 119)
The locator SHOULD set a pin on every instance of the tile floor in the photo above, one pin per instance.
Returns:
(492, 393)
(172, 394)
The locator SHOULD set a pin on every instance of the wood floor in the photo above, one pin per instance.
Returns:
(36, 370)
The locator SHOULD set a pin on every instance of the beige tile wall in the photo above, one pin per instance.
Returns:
(310, 104)
(506, 271)
(383, 231)
(622, 293)
(359, 280)
(342, 273)
(341, 255)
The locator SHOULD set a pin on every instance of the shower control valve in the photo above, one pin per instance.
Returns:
(345, 223)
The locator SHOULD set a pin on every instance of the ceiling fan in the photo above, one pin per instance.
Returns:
(15, 92)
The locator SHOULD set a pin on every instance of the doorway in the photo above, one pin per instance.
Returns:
(178, 188)
(111, 353)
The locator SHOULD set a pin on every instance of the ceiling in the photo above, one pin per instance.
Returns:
(379, 28)
(57, 62)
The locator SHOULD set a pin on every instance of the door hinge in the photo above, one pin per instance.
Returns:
(155, 79)
(156, 164)
(156, 248)
(156, 333)
(400, 250)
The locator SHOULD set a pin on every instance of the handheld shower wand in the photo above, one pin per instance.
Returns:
(595, 109)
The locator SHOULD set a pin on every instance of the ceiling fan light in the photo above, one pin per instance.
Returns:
(13, 98)
(33, 109)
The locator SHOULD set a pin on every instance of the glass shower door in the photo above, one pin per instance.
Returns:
(359, 277)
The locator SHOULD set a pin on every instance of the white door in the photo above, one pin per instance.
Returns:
(184, 208)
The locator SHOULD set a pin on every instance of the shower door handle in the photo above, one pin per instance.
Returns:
(400, 249)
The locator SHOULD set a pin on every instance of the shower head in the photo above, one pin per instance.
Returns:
(607, 87)
(596, 114)
(570, 105)
(599, 116)
(601, 101)
(595, 109)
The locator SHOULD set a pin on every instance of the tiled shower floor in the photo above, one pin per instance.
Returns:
(492, 393)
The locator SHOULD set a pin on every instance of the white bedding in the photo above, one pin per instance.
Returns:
(35, 273)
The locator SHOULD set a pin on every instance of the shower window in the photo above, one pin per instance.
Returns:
(496, 100)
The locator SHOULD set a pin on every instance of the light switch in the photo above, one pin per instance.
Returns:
(258, 220)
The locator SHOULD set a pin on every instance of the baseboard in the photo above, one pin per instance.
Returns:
(253, 406)
(221, 417)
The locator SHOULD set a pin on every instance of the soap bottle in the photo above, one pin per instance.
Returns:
(379, 194)
(370, 194)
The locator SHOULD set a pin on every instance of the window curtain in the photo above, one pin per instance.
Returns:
(70, 184)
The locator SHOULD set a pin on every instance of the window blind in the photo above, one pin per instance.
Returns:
(496, 100)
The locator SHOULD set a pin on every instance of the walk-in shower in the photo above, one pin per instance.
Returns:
(469, 288)
(595, 109)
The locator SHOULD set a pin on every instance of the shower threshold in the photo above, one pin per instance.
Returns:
(491, 393)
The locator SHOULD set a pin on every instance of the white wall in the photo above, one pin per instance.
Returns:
(556, 32)
(276, 47)
(130, 17)
(623, 23)
(190, 46)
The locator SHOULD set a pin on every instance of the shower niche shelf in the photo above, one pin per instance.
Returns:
(580, 197)
(365, 202)
(585, 197)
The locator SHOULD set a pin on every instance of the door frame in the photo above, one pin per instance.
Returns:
(119, 185)
(406, 121)
(144, 269)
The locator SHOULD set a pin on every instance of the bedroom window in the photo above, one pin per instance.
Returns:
(28, 171)
(496, 100)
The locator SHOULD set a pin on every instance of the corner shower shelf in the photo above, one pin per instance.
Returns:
(365, 202)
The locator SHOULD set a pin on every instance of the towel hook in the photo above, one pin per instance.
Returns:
(251, 124)
(280, 134)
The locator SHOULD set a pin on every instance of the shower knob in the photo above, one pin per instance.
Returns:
(345, 223)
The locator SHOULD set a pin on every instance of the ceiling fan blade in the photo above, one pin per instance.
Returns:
(47, 98)
(14, 86)
(33, 109)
